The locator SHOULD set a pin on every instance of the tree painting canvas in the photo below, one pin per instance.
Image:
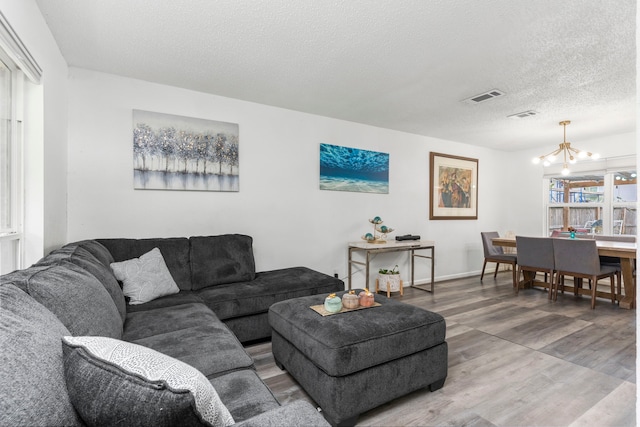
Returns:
(184, 153)
(352, 169)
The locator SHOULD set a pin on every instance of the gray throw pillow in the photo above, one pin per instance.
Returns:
(146, 278)
(33, 390)
(112, 381)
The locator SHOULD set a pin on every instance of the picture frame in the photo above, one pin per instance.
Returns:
(173, 152)
(453, 187)
(353, 169)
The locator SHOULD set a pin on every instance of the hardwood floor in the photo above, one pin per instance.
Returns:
(513, 361)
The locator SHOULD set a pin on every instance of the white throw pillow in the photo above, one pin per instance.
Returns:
(112, 369)
(145, 278)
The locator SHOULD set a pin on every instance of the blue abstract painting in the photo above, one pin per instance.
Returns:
(352, 169)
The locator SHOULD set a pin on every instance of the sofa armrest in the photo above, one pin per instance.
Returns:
(298, 413)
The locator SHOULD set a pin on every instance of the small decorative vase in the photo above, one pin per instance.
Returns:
(350, 300)
(572, 234)
(366, 298)
(332, 303)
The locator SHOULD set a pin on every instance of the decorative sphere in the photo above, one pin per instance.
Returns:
(368, 236)
(383, 228)
(377, 219)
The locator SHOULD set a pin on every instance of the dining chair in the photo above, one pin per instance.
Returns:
(496, 254)
(615, 261)
(535, 254)
(579, 258)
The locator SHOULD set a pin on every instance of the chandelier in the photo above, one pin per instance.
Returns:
(569, 154)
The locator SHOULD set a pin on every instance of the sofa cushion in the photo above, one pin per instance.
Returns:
(33, 389)
(297, 413)
(244, 394)
(114, 382)
(221, 259)
(75, 296)
(83, 258)
(256, 296)
(175, 251)
(96, 249)
(190, 333)
(182, 297)
(145, 278)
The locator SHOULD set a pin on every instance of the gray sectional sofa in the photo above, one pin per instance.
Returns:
(220, 302)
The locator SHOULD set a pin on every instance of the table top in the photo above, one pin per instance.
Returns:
(605, 247)
(390, 244)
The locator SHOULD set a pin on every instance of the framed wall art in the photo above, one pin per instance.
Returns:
(352, 169)
(184, 153)
(453, 187)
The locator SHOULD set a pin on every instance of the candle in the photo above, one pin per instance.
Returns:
(332, 303)
(350, 300)
(366, 298)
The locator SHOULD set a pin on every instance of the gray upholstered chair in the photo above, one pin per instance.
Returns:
(579, 258)
(496, 254)
(535, 254)
(614, 261)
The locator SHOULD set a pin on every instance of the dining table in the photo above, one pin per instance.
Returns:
(626, 251)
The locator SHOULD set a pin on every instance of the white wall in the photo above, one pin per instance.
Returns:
(279, 203)
(45, 133)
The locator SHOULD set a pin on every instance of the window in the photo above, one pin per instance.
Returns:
(17, 68)
(593, 203)
(625, 197)
(10, 167)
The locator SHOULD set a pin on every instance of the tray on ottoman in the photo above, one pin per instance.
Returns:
(354, 362)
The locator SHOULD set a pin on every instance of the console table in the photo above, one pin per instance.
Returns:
(410, 246)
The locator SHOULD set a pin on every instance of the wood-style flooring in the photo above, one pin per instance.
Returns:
(513, 361)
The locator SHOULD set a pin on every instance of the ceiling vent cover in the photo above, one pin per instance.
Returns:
(522, 115)
(477, 99)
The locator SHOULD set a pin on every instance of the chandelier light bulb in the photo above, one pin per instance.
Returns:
(551, 158)
(582, 155)
(536, 160)
(547, 163)
(572, 160)
(565, 170)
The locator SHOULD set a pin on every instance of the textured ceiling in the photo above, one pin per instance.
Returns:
(397, 64)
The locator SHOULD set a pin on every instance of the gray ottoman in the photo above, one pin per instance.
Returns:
(352, 362)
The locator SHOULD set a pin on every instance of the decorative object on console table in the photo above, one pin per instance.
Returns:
(379, 231)
(453, 187)
(407, 237)
(389, 281)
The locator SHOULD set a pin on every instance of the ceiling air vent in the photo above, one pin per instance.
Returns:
(522, 115)
(495, 93)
